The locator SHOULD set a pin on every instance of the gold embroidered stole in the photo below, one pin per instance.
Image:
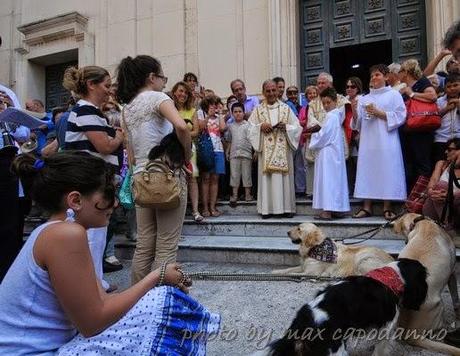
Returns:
(275, 145)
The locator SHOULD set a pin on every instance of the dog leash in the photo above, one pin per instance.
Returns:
(259, 277)
(374, 231)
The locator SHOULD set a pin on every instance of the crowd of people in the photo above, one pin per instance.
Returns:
(275, 149)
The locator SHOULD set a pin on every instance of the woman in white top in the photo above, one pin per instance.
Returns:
(150, 115)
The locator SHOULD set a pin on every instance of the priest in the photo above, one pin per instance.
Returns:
(274, 133)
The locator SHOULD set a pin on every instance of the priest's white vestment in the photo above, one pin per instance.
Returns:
(276, 193)
(380, 170)
(330, 185)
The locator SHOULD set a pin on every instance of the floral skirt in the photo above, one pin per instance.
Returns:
(165, 321)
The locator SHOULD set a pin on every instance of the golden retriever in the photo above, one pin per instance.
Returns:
(428, 243)
(351, 260)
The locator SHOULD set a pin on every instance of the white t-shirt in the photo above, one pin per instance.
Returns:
(146, 126)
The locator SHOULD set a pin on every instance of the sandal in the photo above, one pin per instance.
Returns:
(362, 213)
(389, 215)
(216, 213)
(197, 217)
(323, 216)
(206, 214)
(232, 201)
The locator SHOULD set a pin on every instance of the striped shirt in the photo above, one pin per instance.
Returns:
(86, 117)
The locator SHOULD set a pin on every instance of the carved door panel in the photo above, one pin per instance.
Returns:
(314, 39)
(56, 94)
(338, 23)
(409, 30)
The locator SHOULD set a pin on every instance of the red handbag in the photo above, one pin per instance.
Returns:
(418, 195)
(422, 116)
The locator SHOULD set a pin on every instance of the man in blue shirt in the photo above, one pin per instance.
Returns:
(239, 90)
(292, 94)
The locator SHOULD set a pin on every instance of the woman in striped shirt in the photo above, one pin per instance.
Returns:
(88, 130)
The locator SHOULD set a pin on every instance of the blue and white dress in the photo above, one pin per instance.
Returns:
(165, 321)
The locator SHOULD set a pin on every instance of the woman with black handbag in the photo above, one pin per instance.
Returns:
(150, 115)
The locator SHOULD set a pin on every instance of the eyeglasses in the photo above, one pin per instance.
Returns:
(165, 79)
(351, 86)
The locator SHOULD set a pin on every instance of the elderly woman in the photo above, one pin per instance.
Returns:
(438, 185)
(416, 145)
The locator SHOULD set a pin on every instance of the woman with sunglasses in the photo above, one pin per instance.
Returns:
(353, 91)
(438, 185)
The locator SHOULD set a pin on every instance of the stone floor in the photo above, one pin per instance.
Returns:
(256, 313)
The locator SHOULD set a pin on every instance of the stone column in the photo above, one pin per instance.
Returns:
(191, 63)
(440, 14)
(284, 40)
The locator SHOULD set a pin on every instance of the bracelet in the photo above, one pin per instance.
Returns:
(162, 273)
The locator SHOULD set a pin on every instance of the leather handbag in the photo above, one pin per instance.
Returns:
(422, 116)
(156, 186)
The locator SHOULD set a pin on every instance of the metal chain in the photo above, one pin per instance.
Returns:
(238, 276)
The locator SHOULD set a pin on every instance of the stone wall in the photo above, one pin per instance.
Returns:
(218, 39)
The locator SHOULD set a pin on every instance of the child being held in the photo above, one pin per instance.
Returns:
(240, 154)
(330, 187)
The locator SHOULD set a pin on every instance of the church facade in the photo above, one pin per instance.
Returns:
(219, 40)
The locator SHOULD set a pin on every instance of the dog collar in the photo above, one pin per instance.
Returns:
(326, 251)
(416, 220)
(389, 277)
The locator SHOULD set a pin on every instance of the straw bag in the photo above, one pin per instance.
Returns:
(156, 186)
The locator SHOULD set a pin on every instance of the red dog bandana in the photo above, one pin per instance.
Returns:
(326, 251)
(389, 277)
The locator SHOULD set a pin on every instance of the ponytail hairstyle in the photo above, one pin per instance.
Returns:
(132, 74)
(76, 79)
(47, 181)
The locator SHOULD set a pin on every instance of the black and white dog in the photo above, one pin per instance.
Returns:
(356, 303)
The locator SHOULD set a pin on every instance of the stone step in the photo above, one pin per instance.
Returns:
(276, 251)
(304, 207)
(254, 225)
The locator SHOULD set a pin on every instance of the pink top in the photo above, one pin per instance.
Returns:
(303, 120)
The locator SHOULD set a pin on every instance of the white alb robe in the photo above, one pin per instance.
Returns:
(380, 171)
(276, 192)
(330, 185)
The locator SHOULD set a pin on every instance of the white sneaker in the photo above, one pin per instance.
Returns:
(112, 260)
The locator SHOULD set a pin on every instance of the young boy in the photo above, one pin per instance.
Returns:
(240, 154)
(330, 187)
(448, 106)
